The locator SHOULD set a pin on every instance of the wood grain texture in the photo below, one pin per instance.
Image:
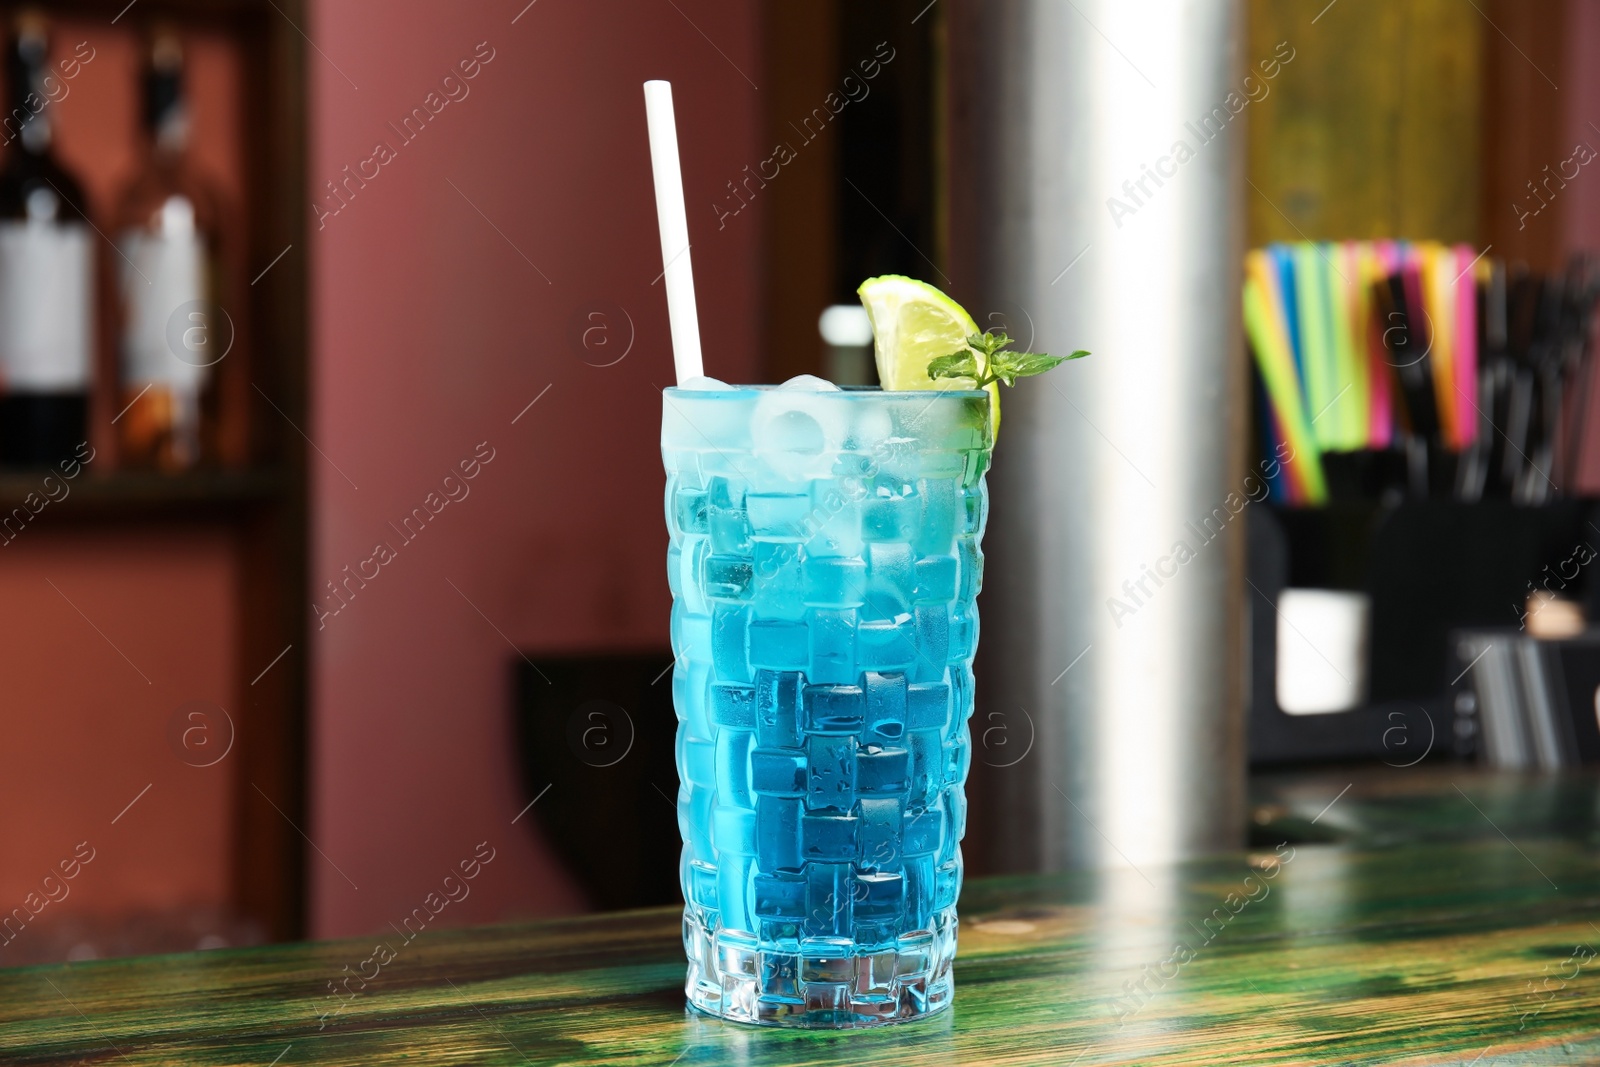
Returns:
(1411, 936)
(1372, 130)
(1525, 121)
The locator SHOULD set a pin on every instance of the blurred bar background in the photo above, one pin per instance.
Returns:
(436, 253)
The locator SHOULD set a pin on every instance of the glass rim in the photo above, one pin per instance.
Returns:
(853, 391)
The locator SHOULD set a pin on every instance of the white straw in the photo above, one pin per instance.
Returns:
(674, 222)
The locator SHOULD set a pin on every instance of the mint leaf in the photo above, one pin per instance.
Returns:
(1009, 366)
(1001, 368)
(988, 342)
(955, 365)
(986, 361)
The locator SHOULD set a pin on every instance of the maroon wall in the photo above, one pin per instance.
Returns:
(444, 293)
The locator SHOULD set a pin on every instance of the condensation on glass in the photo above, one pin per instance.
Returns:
(824, 565)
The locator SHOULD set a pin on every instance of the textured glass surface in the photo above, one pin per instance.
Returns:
(824, 565)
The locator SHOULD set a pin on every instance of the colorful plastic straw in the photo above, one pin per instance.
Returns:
(1466, 391)
(1270, 344)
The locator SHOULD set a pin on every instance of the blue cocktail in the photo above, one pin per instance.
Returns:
(824, 565)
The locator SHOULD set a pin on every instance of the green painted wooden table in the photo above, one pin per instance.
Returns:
(1425, 917)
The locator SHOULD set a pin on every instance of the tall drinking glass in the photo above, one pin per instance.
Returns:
(824, 565)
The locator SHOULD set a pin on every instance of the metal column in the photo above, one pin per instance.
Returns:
(1079, 219)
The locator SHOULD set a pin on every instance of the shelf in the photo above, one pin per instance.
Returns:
(142, 494)
(250, 100)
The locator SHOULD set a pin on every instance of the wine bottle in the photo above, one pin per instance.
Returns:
(173, 333)
(46, 269)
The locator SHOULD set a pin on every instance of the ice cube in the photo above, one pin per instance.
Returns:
(797, 431)
(873, 426)
(704, 384)
(809, 383)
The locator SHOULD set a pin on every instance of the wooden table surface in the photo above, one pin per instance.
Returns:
(1434, 916)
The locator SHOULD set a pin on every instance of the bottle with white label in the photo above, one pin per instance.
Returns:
(173, 332)
(46, 269)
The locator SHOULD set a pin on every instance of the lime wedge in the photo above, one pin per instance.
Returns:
(912, 325)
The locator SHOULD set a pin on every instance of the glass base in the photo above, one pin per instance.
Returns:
(731, 977)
